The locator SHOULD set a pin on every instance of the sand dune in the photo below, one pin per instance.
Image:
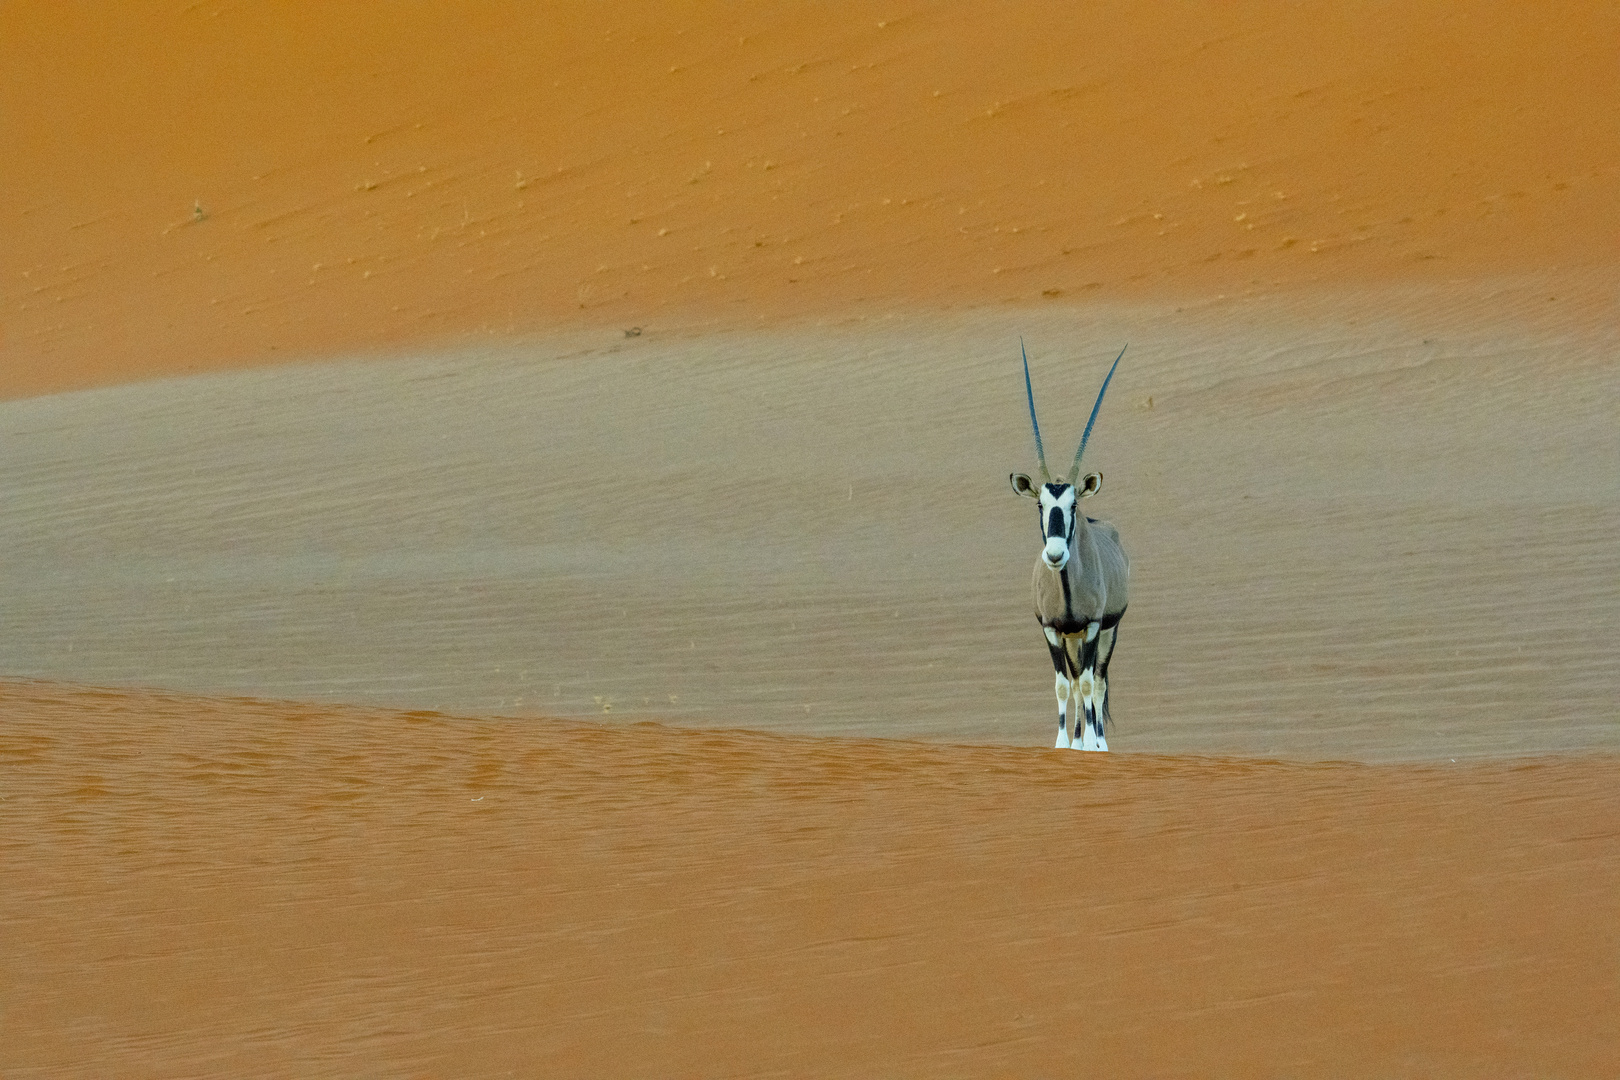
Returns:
(1350, 540)
(236, 183)
(620, 378)
(240, 888)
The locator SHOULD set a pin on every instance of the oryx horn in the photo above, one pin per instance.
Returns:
(1074, 473)
(1040, 452)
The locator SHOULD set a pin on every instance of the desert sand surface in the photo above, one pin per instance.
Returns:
(195, 184)
(238, 888)
(1362, 535)
(507, 568)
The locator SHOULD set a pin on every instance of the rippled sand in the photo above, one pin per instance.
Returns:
(1372, 533)
(233, 887)
(604, 385)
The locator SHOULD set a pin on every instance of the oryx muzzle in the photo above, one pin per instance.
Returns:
(1081, 580)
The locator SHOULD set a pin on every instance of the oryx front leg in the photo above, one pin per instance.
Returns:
(1090, 691)
(1064, 686)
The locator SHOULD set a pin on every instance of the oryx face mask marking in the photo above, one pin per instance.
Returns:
(1057, 523)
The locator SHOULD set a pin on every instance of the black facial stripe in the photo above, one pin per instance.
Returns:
(1054, 522)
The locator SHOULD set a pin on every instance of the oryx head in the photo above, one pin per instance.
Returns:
(1058, 498)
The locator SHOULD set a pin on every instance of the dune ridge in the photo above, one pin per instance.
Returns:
(424, 893)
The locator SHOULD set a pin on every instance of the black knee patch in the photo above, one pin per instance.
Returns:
(1060, 658)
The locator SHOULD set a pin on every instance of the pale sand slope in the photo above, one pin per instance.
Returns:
(1381, 527)
(246, 889)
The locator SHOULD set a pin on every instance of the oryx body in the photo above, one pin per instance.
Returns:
(1082, 580)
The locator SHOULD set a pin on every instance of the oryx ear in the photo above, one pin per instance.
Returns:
(1090, 484)
(1023, 485)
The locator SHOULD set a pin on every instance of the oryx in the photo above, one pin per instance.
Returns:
(1081, 583)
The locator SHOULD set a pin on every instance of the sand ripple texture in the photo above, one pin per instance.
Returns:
(1364, 530)
(239, 888)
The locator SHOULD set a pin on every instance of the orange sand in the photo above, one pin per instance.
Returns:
(221, 183)
(196, 887)
(252, 889)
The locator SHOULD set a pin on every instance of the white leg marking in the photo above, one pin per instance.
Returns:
(1051, 637)
(1088, 715)
(1091, 630)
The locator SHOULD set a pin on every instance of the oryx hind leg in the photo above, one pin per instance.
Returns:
(1106, 640)
(1088, 687)
(1064, 686)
